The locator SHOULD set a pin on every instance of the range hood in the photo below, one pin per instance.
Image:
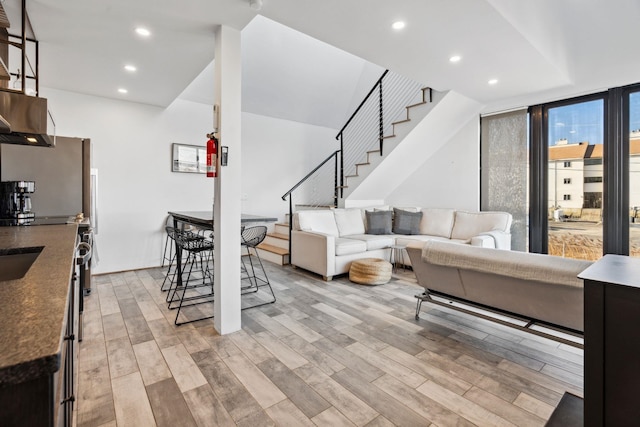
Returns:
(23, 120)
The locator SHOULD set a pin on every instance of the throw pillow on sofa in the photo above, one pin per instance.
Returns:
(349, 221)
(378, 222)
(405, 222)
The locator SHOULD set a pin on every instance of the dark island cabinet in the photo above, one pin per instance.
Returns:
(47, 399)
(612, 342)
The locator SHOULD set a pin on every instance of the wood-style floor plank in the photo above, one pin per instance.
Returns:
(326, 353)
(206, 408)
(131, 402)
(168, 404)
(151, 363)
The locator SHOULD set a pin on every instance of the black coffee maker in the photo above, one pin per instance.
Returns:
(15, 202)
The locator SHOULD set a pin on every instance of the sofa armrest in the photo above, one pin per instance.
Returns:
(483, 241)
(314, 252)
(498, 240)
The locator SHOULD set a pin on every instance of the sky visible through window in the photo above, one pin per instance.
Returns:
(584, 122)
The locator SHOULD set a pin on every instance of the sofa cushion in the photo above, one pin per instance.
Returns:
(345, 246)
(407, 240)
(349, 221)
(518, 265)
(470, 224)
(405, 222)
(374, 241)
(319, 221)
(378, 222)
(437, 222)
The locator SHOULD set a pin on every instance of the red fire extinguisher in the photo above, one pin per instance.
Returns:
(212, 155)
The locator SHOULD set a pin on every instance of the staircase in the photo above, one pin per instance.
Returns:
(275, 247)
(399, 129)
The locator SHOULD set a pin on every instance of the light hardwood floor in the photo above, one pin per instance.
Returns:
(326, 353)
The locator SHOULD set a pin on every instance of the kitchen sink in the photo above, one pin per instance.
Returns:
(15, 262)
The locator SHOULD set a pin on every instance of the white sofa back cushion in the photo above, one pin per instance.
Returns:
(470, 224)
(349, 221)
(437, 222)
(320, 221)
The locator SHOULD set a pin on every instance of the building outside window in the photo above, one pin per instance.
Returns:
(567, 164)
(567, 180)
(592, 179)
(567, 197)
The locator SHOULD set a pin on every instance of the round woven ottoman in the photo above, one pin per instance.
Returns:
(370, 271)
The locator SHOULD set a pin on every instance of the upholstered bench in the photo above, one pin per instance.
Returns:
(370, 271)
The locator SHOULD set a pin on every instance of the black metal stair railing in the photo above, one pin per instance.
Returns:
(364, 132)
(372, 121)
(313, 181)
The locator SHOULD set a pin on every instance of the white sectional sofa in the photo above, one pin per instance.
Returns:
(327, 241)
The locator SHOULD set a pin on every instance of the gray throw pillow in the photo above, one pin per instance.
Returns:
(378, 222)
(405, 222)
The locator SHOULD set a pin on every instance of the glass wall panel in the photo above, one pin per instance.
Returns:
(575, 178)
(634, 174)
(504, 170)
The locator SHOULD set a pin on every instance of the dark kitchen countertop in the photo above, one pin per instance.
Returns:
(33, 308)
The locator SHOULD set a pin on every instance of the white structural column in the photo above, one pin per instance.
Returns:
(226, 204)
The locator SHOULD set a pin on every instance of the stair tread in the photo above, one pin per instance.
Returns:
(388, 136)
(363, 164)
(271, 248)
(415, 105)
(401, 121)
(278, 236)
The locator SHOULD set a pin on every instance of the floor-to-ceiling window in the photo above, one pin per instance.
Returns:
(633, 129)
(575, 141)
(583, 168)
(585, 175)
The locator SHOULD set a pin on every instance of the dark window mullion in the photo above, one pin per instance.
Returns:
(616, 174)
(538, 179)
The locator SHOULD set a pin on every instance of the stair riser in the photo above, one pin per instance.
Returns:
(274, 258)
(284, 244)
(281, 228)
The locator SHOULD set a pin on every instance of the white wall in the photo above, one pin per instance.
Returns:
(131, 148)
(448, 179)
(276, 154)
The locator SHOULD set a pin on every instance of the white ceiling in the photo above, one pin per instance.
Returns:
(538, 50)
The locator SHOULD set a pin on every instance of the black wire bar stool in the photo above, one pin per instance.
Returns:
(170, 243)
(251, 237)
(197, 286)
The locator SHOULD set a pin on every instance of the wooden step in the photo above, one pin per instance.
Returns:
(281, 228)
(277, 235)
(273, 254)
(277, 240)
(417, 104)
(401, 121)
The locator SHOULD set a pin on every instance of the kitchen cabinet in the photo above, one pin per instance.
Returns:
(611, 341)
(47, 400)
(40, 329)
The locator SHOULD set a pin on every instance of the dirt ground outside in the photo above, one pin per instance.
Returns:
(583, 240)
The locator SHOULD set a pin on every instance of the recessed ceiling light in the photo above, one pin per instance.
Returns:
(398, 25)
(455, 58)
(493, 81)
(31, 139)
(143, 32)
(122, 90)
(131, 68)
